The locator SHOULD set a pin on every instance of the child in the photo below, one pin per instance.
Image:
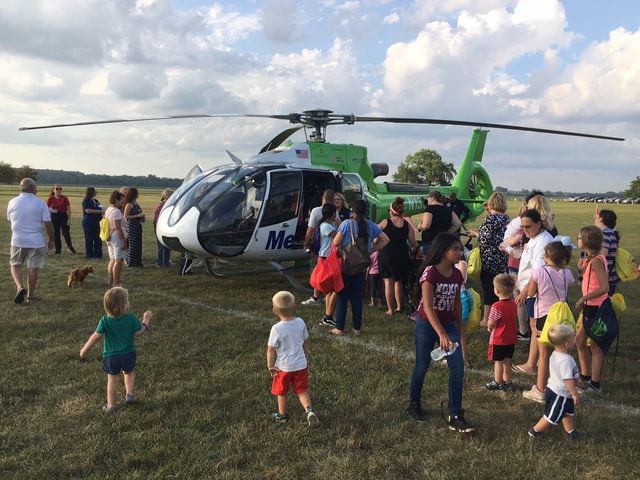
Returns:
(562, 392)
(118, 327)
(595, 287)
(548, 285)
(440, 322)
(287, 352)
(503, 318)
(375, 282)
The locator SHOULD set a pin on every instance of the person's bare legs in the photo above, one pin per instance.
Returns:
(129, 381)
(113, 382)
(523, 326)
(389, 292)
(117, 268)
(532, 360)
(567, 423)
(584, 357)
(330, 301)
(32, 278)
(485, 316)
(544, 353)
(305, 400)
(16, 274)
(282, 404)
(597, 360)
(399, 291)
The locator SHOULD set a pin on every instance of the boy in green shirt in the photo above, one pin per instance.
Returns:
(118, 327)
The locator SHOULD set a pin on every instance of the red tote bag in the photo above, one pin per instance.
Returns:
(327, 276)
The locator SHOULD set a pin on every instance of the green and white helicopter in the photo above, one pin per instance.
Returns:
(257, 209)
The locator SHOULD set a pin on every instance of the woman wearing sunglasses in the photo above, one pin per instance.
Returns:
(60, 210)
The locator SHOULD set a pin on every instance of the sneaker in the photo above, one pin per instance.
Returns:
(507, 386)
(524, 336)
(573, 435)
(328, 321)
(313, 420)
(493, 385)
(280, 418)
(414, 410)
(534, 434)
(591, 388)
(108, 409)
(130, 398)
(534, 394)
(19, 298)
(312, 301)
(458, 423)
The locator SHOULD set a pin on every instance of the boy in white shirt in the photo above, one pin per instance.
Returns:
(287, 351)
(562, 392)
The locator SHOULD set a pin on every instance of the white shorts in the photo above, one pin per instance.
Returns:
(33, 256)
(116, 247)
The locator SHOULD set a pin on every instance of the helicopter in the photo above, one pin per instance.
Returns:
(257, 209)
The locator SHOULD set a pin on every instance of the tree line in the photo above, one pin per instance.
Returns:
(11, 175)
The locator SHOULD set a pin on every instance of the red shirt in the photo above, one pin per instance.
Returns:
(60, 204)
(445, 291)
(504, 314)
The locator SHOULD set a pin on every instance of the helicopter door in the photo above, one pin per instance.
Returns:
(275, 237)
(352, 187)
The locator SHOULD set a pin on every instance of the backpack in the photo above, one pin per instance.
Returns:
(475, 264)
(475, 313)
(626, 267)
(105, 230)
(315, 241)
(560, 312)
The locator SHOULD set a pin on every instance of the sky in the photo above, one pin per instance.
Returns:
(568, 65)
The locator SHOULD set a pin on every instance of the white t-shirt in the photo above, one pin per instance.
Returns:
(27, 213)
(532, 257)
(112, 214)
(562, 366)
(513, 227)
(315, 216)
(288, 337)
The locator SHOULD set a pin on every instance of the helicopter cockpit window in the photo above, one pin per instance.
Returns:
(230, 212)
(192, 191)
(284, 198)
(351, 187)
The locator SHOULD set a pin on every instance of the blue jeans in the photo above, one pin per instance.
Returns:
(163, 255)
(425, 340)
(352, 292)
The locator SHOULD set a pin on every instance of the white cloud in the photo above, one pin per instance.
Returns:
(391, 19)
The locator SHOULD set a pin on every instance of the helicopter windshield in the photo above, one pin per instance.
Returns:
(229, 211)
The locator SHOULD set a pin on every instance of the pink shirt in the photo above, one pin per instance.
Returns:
(590, 282)
(373, 268)
(445, 291)
(552, 287)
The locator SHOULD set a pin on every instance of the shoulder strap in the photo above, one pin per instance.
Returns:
(554, 287)
(353, 236)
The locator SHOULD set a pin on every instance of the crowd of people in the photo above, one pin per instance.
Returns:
(31, 218)
(524, 274)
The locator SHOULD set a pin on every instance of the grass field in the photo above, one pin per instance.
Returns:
(204, 387)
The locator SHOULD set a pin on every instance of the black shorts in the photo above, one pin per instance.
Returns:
(557, 407)
(498, 353)
(540, 324)
(114, 364)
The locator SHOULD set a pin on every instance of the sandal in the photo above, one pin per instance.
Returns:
(336, 332)
(519, 369)
(357, 333)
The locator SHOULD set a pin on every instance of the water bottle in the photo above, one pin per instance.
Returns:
(439, 353)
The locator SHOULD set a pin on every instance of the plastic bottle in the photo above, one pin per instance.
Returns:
(439, 353)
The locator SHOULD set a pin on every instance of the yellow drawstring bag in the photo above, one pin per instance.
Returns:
(475, 265)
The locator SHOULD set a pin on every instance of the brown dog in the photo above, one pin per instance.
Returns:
(77, 275)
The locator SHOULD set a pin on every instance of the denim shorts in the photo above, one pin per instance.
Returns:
(123, 362)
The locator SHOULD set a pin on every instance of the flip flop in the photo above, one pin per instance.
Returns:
(519, 369)
(19, 298)
(336, 332)
(357, 333)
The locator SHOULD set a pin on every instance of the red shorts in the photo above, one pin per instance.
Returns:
(299, 380)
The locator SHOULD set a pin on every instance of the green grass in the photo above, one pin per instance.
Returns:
(204, 387)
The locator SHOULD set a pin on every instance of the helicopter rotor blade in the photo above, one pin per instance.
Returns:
(278, 139)
(435, 121)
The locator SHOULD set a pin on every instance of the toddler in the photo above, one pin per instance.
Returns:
(287, 353)
(503, 318)
(118, 328)
(562, 392)
(376, 291)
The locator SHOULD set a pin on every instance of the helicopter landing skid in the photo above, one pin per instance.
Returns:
(295, 283)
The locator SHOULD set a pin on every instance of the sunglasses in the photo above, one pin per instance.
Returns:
(58, 188)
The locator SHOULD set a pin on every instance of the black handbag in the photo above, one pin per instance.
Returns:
(602, 327)
(355, 256)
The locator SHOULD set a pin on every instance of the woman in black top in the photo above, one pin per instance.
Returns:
(437, 219)
(342, 209)
(134, 216)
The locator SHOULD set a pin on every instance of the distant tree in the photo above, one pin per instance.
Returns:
(25, 171)
(500, 189)
(425, 167)
(7, 173)
(634, 188)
